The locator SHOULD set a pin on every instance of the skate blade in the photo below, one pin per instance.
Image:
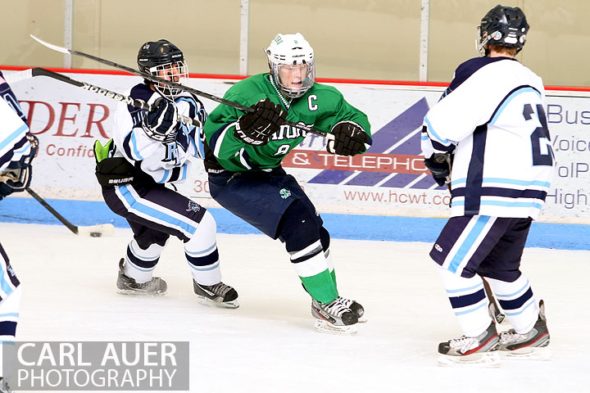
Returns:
(214, 303)
(481, 359)
(133, 292)
(528, 353)
(327, 327)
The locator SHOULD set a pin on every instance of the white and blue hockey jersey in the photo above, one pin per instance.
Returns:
(14, 145)
(492, 119)
(164, 162)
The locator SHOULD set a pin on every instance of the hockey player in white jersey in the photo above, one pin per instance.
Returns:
(18, 147)
(488, 137)
(150, 150)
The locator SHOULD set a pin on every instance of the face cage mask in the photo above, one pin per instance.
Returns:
(306, 84)
(174, 72)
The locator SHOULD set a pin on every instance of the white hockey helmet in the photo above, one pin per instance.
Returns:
(291, 49)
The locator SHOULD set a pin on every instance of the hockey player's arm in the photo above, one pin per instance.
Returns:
(349, 126)
(8, 95)
(222, 138)
(140, 150)
(18, 147)
(459, 114)
(169, 159)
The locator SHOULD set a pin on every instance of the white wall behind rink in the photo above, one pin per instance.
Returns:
(67, 120)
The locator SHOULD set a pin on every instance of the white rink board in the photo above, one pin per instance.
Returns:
(67, 120)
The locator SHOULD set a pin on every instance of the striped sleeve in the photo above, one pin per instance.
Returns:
(13, 136)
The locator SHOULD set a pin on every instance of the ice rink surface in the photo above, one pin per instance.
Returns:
(269, 344)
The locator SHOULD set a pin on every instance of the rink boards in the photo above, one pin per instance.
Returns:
(389, 180)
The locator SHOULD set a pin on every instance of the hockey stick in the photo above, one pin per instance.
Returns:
(495, 310)
(149, 77)
(92, 231)
(175, 85)
(106, 93)
(18, 76)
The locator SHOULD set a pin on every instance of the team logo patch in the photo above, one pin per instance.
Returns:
(193, 207)
(285, 193)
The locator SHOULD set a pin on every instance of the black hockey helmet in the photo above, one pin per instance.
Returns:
(503, 26)
(163, 59)
(154, 53)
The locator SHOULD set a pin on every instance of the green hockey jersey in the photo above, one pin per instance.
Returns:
(322, 107)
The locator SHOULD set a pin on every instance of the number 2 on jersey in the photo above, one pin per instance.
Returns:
(540, 138)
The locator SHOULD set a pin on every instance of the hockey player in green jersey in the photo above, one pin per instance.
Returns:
(245, 151)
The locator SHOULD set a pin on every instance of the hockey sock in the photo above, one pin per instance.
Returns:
(140, 263)
(8, 361)
(201, 252)
(518, 302)
(330, 266)
(325, 239)
(312, 268)
(469, 302)
(9, 314)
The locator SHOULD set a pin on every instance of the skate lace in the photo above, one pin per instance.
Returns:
(220, 289)
(346, 302)
(154, 283)
(511, 337)
(337, 307)
(463, 343)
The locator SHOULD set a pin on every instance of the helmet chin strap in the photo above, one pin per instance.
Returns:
(279, 92)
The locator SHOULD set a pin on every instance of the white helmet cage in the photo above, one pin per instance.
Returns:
(291, 49)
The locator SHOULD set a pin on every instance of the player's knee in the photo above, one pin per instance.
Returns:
(205, 234)
(505, 275)
(325, 238)
(299, 227)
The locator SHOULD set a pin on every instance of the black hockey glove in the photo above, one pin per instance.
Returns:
(161, 122)
(440, 165)
(112, 171)
(15, 180)
(349, 139)
(17, 177)
(257, 127)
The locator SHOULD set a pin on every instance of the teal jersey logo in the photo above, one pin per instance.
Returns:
(285, 193)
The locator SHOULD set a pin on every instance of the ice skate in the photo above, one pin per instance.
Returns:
(220, 295)
(334, 317)
(356, 308)
(480, 350)
(4, 388)
(530, 345)
(128, 286)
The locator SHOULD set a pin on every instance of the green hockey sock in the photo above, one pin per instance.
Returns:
(321, 287)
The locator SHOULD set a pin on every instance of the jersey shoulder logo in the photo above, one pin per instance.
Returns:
(285, 193)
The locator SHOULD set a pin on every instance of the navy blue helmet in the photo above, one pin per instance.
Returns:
(503, 26)
(163, 59)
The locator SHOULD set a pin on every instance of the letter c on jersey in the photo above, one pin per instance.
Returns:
(311, 104)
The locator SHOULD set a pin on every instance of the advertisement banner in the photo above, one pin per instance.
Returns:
(390, 179)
